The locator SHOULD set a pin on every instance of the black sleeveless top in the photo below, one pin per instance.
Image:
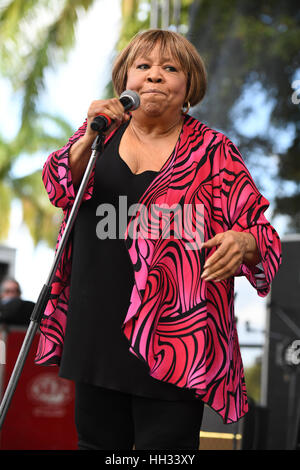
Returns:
(95, 348)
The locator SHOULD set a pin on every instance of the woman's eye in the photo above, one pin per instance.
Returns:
(171, 68)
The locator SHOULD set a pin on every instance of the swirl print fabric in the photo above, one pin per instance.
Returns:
(181, 326)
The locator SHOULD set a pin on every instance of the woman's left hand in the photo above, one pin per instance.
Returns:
(234, 248)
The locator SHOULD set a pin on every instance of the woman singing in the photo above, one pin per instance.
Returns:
(145, 326)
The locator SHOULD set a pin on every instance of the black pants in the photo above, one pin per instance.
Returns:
(111, 420)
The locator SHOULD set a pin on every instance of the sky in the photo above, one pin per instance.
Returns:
(69, 91)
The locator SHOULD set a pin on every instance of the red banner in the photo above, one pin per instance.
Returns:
(41, 413)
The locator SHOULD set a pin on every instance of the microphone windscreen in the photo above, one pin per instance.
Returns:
(130, 100)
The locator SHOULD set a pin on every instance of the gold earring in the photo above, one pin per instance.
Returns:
(185, 111)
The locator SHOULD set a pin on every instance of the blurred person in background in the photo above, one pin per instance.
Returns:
(145, 327)
(13, 309)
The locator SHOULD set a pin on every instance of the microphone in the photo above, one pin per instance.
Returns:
(130, 101)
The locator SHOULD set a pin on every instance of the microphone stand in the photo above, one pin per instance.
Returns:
(44, 295)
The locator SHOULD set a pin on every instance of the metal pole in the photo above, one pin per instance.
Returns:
(154, 14)
(165, 14)
(176, 13)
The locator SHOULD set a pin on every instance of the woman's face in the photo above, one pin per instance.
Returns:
(160, 82)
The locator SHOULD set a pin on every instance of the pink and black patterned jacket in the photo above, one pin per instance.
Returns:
(180, 325)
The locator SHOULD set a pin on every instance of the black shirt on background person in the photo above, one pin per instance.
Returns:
(13, 309)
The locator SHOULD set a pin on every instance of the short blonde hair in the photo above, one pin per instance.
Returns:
(177, 46)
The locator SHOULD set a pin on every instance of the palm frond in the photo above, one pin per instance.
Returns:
(27, 50)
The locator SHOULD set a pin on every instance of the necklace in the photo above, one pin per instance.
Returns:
(172, 130)
(150, 152)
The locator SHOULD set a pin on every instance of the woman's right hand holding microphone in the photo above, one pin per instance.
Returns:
(80, 151)
(112, 108)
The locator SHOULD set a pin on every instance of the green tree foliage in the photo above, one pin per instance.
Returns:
(251, 48)
(253, 380)
(41, 218)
